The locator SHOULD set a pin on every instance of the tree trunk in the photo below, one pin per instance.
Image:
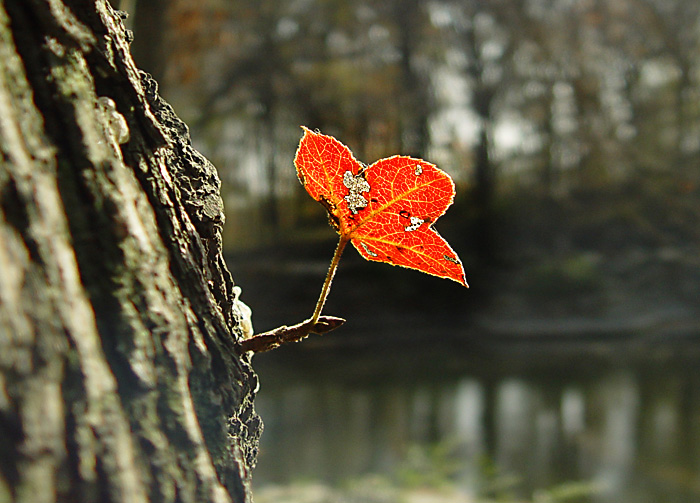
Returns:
(120, 376)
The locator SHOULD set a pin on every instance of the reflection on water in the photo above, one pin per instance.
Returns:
(630, 428)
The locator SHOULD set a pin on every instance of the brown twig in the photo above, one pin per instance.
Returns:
(281, 335)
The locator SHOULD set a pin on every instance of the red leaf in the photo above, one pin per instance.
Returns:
(387, 210)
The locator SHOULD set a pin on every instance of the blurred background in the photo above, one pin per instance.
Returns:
(569, 370)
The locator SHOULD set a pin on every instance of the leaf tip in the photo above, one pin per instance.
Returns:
(458, 278)
(307, 131)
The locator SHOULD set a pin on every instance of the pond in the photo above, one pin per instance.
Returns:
(603, 420)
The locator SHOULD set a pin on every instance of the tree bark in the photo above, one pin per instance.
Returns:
(121, 377)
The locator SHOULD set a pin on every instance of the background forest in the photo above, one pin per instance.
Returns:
(571, 127)
(572, 131)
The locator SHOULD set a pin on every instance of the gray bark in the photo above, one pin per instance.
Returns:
(120, 373)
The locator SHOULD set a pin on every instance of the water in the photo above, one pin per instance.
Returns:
(492, 420)
(411, 389)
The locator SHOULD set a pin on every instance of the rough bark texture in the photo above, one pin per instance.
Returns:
(119, 373)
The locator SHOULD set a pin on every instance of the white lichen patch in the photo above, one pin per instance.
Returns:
(451, 259)
(415, 223)
(244, 315)
(356, 185)
(419, 170)
(367, 250)
(118, 126)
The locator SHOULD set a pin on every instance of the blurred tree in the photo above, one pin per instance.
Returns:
(150, 22)
(485, 70)
(415, 98)
(119, 376)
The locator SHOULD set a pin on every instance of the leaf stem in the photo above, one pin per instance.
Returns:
(329, 278)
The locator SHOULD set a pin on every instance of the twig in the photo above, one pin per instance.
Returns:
(281, 335)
